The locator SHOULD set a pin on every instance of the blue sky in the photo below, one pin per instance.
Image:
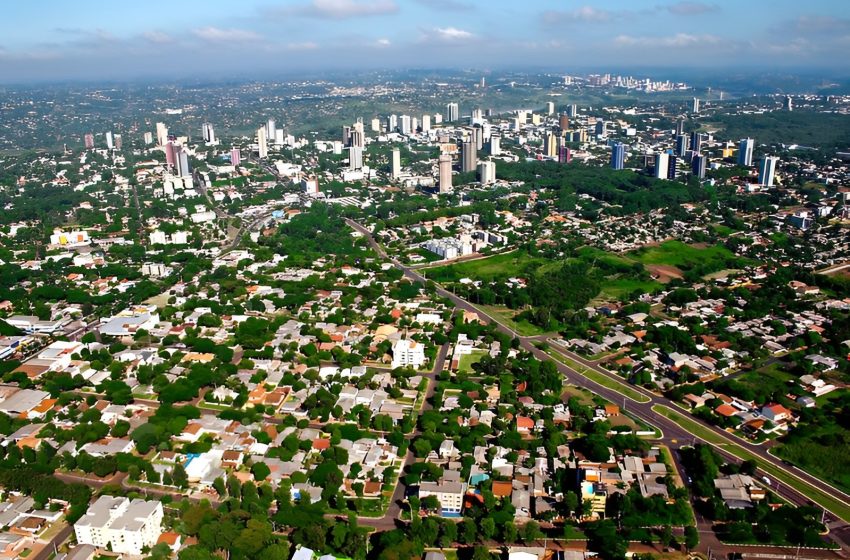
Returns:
(96, 39)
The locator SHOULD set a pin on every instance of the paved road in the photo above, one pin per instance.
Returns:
(642, 411)
(54, 543)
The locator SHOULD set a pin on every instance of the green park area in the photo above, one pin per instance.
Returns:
(693, 260)
(783, 475)
(503, 265)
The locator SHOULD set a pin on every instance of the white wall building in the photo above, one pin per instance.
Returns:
(408, 353)
(127, 526)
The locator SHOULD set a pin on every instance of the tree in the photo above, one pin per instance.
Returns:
(179, 476)
(260, 470)
(691, 537)
(531, 532)
(488, 528)
(219, 486)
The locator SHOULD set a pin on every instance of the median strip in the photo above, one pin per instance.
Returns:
(599, 378)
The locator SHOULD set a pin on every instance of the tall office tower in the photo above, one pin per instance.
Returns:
(767, 170)
(109, 141)
(161, 134)
(721, 95)
(89, 140)
(235, 156)
(414, 124)
(600, 127)
(396, 163)
(478, 136)
(482, 83)
(564, 121)
(376, 125)
(119, 142)
(680, 127)
(550, 145)
(662, 162)
(445, 173)
(270, 129)
(182, 159)
(487, 172)
(695, 105)
(392, 123)
(550, 108)
(426, 123)
(618, 156)
(681, 145)
(564, 155)
(170, 154)
(148, 138)
(468, 156)
(696, 141)
(698, 165)
(572, 111)
(358, 134)
(477, 114)
(438, 118)
(789, 103)
(671, 167)
(355, 158)
(262, 143)
(404, 124)
(452, 112)
(346, 135)
(745, 152)
(495, 145)
(208, 133)
(279, 137)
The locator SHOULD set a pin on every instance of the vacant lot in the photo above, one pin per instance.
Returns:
(504, 265)
(687, 258)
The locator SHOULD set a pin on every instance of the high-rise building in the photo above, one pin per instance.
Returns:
(161, 134)
(148, 138)
(310, 184)
(392, 123)
(209, 133)
(426, 123)
(695, 105)
(477, 114)
(600, 127)
(404, 125)
(478, 136)
(789, 103)
(438, 118)
(745, 152)
(235, 156)
(89, 140)
(262, 143)
(468, 155)
(662, 162)
(698, 165)
(618, 156)
(564, 155)
(376, 125)
(170, 154)
(572, 111)
(696, 141)
(550, 145)
(271, 129)
(564, 121)
(672, 162)
(550, 108)
(279, 137)
(119, 142)
(681, 145)
(495, 146)
(487, 172)
(680, 127)
(182, 160)
(767, 170)
(452, 112)
(355, 158)
(109, 141)
(445, 173)
(396, 163)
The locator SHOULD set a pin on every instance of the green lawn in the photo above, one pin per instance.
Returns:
(504, 265)
(466, 361)
(506, 317)
(684, 256)
(617, 287)
(825, 500)
(623, 388)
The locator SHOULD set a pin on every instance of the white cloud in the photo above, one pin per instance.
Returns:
(583, 14)
(344, 9)
(383, 42)
(219, 35)
(451, 34)
(677, 40)
(691, 8)
(157, 37)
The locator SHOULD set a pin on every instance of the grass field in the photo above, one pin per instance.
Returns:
(506, 317)
(503, 265)
(825, 500)
(684, 256)
(615, 288)
(466, 361)
(600, 379)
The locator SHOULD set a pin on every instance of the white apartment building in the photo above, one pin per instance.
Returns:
(128, 526)
(449, 494)
(408, 353)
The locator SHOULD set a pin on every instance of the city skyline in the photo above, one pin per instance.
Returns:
(52, 41)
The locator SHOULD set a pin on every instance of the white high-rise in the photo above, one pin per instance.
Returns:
(767, 170)
(110, 143)
(262, 143)
(487, 172)
(208, 132)
(161, 134)
(396, 163)
(745, 152)
(662, 163)
(404, 124)
(452, 112)
(271, 128)
(426, 123)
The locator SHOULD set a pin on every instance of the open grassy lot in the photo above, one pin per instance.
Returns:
(686, 257)
(466, 361)
(617, 287)
(503, 265)
(506, 317)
